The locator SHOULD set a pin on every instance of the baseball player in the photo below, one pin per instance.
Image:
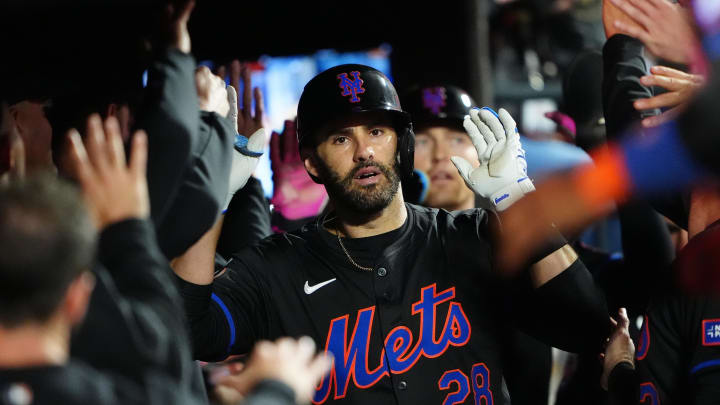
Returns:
(406, 298)
(438, 113)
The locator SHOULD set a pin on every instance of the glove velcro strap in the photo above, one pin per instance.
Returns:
(507, 195)
(241, 146)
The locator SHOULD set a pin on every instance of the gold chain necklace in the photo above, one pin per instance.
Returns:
(350, 257)
(347, 254)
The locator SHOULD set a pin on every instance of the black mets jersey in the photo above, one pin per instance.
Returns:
(425, 326)
(678, 353)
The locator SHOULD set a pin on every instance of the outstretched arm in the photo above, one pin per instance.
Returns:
(135, 305)
(562, 286)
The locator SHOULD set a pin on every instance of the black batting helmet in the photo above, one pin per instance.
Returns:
(437, 105)
(351, 89)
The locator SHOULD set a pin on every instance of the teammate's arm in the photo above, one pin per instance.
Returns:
(501, 179)
(563, 289)
(226, 314)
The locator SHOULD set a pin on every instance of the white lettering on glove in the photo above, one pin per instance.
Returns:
(501, 179)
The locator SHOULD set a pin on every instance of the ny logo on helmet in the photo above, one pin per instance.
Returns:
(351, 87)
(434, 99)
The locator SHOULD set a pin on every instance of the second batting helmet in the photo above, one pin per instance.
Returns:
(437, 105)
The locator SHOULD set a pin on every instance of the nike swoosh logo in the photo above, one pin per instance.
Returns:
(309, 290)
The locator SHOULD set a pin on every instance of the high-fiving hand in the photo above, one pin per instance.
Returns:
(113, 189)
(501, 179)
(665, 28)
(680, 86)
(620, 347)
(251, 137)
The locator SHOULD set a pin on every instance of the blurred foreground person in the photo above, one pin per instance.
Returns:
(48, 239)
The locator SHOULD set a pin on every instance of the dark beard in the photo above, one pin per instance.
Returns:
(366, 199)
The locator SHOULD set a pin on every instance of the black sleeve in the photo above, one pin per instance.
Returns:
(271, 392)
(623, 385)
(623, 65)
(648, 252)
(699, 123)
(170, 115)
(133, 328)
(203, 189)
(567, 312)
(701, 325)
(247, 220)
(228, 316)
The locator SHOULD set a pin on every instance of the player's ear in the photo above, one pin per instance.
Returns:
(77, 298)
(310, 162)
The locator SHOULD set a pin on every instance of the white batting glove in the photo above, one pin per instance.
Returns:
(243, 164)
(232, 114)
(501, 179)
(246, 152)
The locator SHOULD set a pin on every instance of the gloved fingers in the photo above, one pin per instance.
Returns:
(463, 166)
(476, 138)
(233, 101)
(490, 118)
(256, 142)
(486, 132)
(509, 124)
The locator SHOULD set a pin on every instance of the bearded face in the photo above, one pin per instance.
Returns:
(364, 198)
(356, 161)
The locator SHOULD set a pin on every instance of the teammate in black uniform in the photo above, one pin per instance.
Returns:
(406, 298)
(678, 354)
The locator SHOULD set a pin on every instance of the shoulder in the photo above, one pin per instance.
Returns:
(427, 214)
(72, 383)
(277, 248)
(473, 221)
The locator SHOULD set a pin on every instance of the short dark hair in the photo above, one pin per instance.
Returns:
(46, 241)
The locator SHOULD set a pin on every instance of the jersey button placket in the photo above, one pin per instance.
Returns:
(381, 272)
(402, 385)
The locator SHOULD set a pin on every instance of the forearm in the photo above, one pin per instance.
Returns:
(623, 66)
(567, 311)
(623, 385)
(197, 264)
(129, 250)
(170, 116)
(551, 265)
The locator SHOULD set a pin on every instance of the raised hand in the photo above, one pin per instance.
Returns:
(113, 189)
(12, 149)
(501, 179)
(244, 161)
(295, 195)
(620, 348)
(681, 88)
(212, 92)
(247, 122)
(665, 28)
(177, 14)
